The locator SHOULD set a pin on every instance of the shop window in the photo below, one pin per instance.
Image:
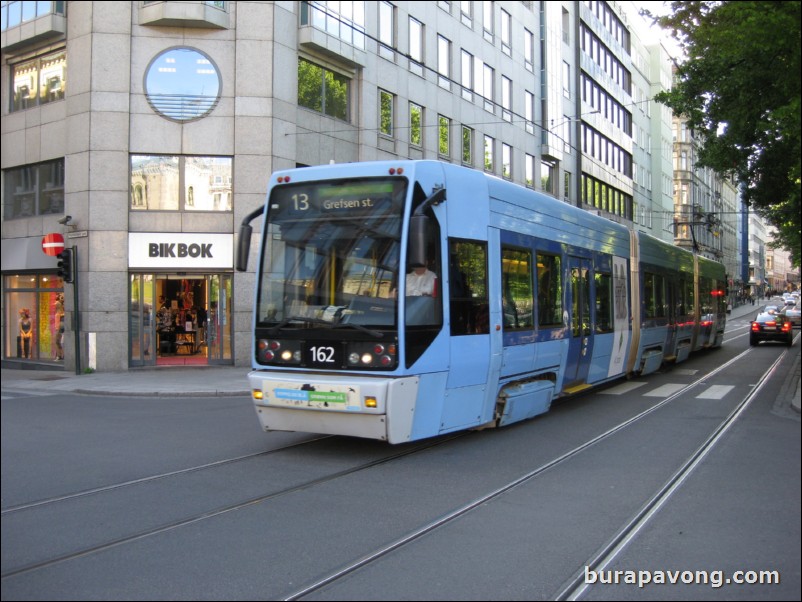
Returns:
(34, 317)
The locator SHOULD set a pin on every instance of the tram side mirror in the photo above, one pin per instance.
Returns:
(243, 247)
(418, 237)
(244, 243)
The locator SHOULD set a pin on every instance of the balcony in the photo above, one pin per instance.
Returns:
(211, 15)
(46, 26)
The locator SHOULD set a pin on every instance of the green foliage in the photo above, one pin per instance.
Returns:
(740, 89)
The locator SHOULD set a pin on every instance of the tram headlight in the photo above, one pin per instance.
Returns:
(376, 356)
(275, 351)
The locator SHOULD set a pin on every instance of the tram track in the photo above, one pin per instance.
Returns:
(398, 543)
(152, 478)
(211, 513)
(607, 552)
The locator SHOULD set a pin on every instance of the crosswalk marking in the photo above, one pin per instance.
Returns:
(684, 371)
(715, 392)
(665, 390)
(622, 388)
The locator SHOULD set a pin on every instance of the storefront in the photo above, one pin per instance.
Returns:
(180, 297)
(33, 305)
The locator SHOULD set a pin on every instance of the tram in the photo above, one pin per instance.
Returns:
(527, 299)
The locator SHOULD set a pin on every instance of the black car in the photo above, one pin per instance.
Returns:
(771, 327)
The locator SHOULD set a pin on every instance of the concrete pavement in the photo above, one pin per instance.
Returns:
(205, 381)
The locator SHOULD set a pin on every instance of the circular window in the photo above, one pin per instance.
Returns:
(182, 84)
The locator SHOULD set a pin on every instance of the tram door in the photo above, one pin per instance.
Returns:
(580, 348)
(218, 327)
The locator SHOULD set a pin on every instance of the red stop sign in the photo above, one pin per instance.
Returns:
(53, 244)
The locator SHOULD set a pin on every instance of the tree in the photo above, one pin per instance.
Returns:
(740, 90)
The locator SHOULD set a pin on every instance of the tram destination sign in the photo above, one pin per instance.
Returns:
(351, 199)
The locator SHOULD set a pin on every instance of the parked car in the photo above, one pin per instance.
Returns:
(771, 327)
(791, 312)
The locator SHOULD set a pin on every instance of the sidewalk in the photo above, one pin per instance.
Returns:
(205, 381)
(201, 381)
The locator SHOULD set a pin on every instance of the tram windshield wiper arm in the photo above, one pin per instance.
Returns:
(370, 331)
(273, 329)
(285, 321)
(328, 323)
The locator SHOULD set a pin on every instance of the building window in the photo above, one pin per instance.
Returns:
(181, 183)
(323, 91)
(467, 75)
(489, 153)
(387, 30)
(34, 190)
(506, 161)
(415, 124)
(344, 19)
(385, 113)
(529, 50)
(487, 21)
(506, 32)
(182, 84)
(488, 75)
(39, 81)
(17, 13)
(444, 127)
(529, 168)
(529, 111)
(547, 176)
(466, 12)
(444, 62)
(416, 46)
(467, 145)
(506, 98)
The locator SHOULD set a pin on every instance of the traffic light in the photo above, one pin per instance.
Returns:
(66, 265)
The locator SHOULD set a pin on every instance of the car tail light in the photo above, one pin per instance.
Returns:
(755, 327)
(786, 326)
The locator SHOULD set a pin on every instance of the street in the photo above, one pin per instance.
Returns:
(691, 475)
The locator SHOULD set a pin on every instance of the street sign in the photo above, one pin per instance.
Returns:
(53, 244)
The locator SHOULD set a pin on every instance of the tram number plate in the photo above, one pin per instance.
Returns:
(324, 355)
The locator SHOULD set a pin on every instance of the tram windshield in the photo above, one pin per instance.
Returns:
(332, 254)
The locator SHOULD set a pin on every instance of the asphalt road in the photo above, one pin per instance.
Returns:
(692, 474)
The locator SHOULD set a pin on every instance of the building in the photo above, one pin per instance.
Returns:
(144, 132)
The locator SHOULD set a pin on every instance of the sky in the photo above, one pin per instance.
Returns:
(643, 26)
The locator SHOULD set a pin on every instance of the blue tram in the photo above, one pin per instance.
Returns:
(526, 299)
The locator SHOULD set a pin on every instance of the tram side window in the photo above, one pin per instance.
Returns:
(468, 281)
(517, 298)
(549, 290)
(706, 294)
(604, 303)
(654, 298)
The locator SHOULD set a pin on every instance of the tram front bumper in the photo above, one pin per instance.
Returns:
(359, 406)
